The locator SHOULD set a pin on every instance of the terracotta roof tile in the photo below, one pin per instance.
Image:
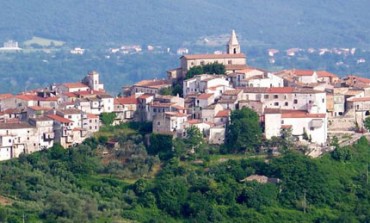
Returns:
(212, 56)
(362, 99)
(5, 96)
(294, 113)
(125, 101)
(223, 113)
(323, 73)
(39, 108)
(92, 116)
(59, 119)
(75, 85)
(204, 96)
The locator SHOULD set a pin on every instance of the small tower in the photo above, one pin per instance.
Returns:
(233, 46)
(92, 80)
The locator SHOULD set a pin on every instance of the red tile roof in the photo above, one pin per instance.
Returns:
(153, 83)
(302, 72)
(280, 90)
(145, 96)
(223, 113)
(85, 93)
(293, 113)
(323, 73)
(39, 108)
(75, 85)
(5, 96)
(236, 67)
(59, 119)
(125, 101)
(26, 97)
(48, 99)
(194, 121)
(212, 56)
(204, 96)
(286, 126)
(362, 99)
(70, 94)
(359, 79)
(92, 116)
(232, 92)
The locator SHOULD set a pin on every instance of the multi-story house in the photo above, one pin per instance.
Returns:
(170, 123)
(203, 83)
(287, 98)
(147, 87)
(304, 125)
(125, 108)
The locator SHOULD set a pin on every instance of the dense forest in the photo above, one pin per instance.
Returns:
(281, 23)
(126, 173)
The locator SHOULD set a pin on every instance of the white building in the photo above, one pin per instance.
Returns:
(203, 83)
(287, 98)
(302, 123)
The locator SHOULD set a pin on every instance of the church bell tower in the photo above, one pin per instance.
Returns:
(233, 46)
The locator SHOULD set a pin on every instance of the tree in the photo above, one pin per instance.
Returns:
(107, 118)
(212, 68)
(177, 90)
(244, 131)
(367, 123)
(194, 137)
(166, 91)
(194, 71)
(161, 145)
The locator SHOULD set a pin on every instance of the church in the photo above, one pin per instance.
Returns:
(233, 60)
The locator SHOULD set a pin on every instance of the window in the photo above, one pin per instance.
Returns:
(158, 123)
(266, 96)
(312, 128)
(295, 101)
(282, 122)
(69, 116)
(10, 140)
(276, 96)
(276, 103)
(229, 62)
(323, 100)
(310, 102)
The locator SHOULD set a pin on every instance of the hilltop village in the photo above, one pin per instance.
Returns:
(309, 103)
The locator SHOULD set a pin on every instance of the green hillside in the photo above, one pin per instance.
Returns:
(280, 23)
(93, 183)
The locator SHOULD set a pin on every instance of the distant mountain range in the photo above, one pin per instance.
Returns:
(274, 23)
